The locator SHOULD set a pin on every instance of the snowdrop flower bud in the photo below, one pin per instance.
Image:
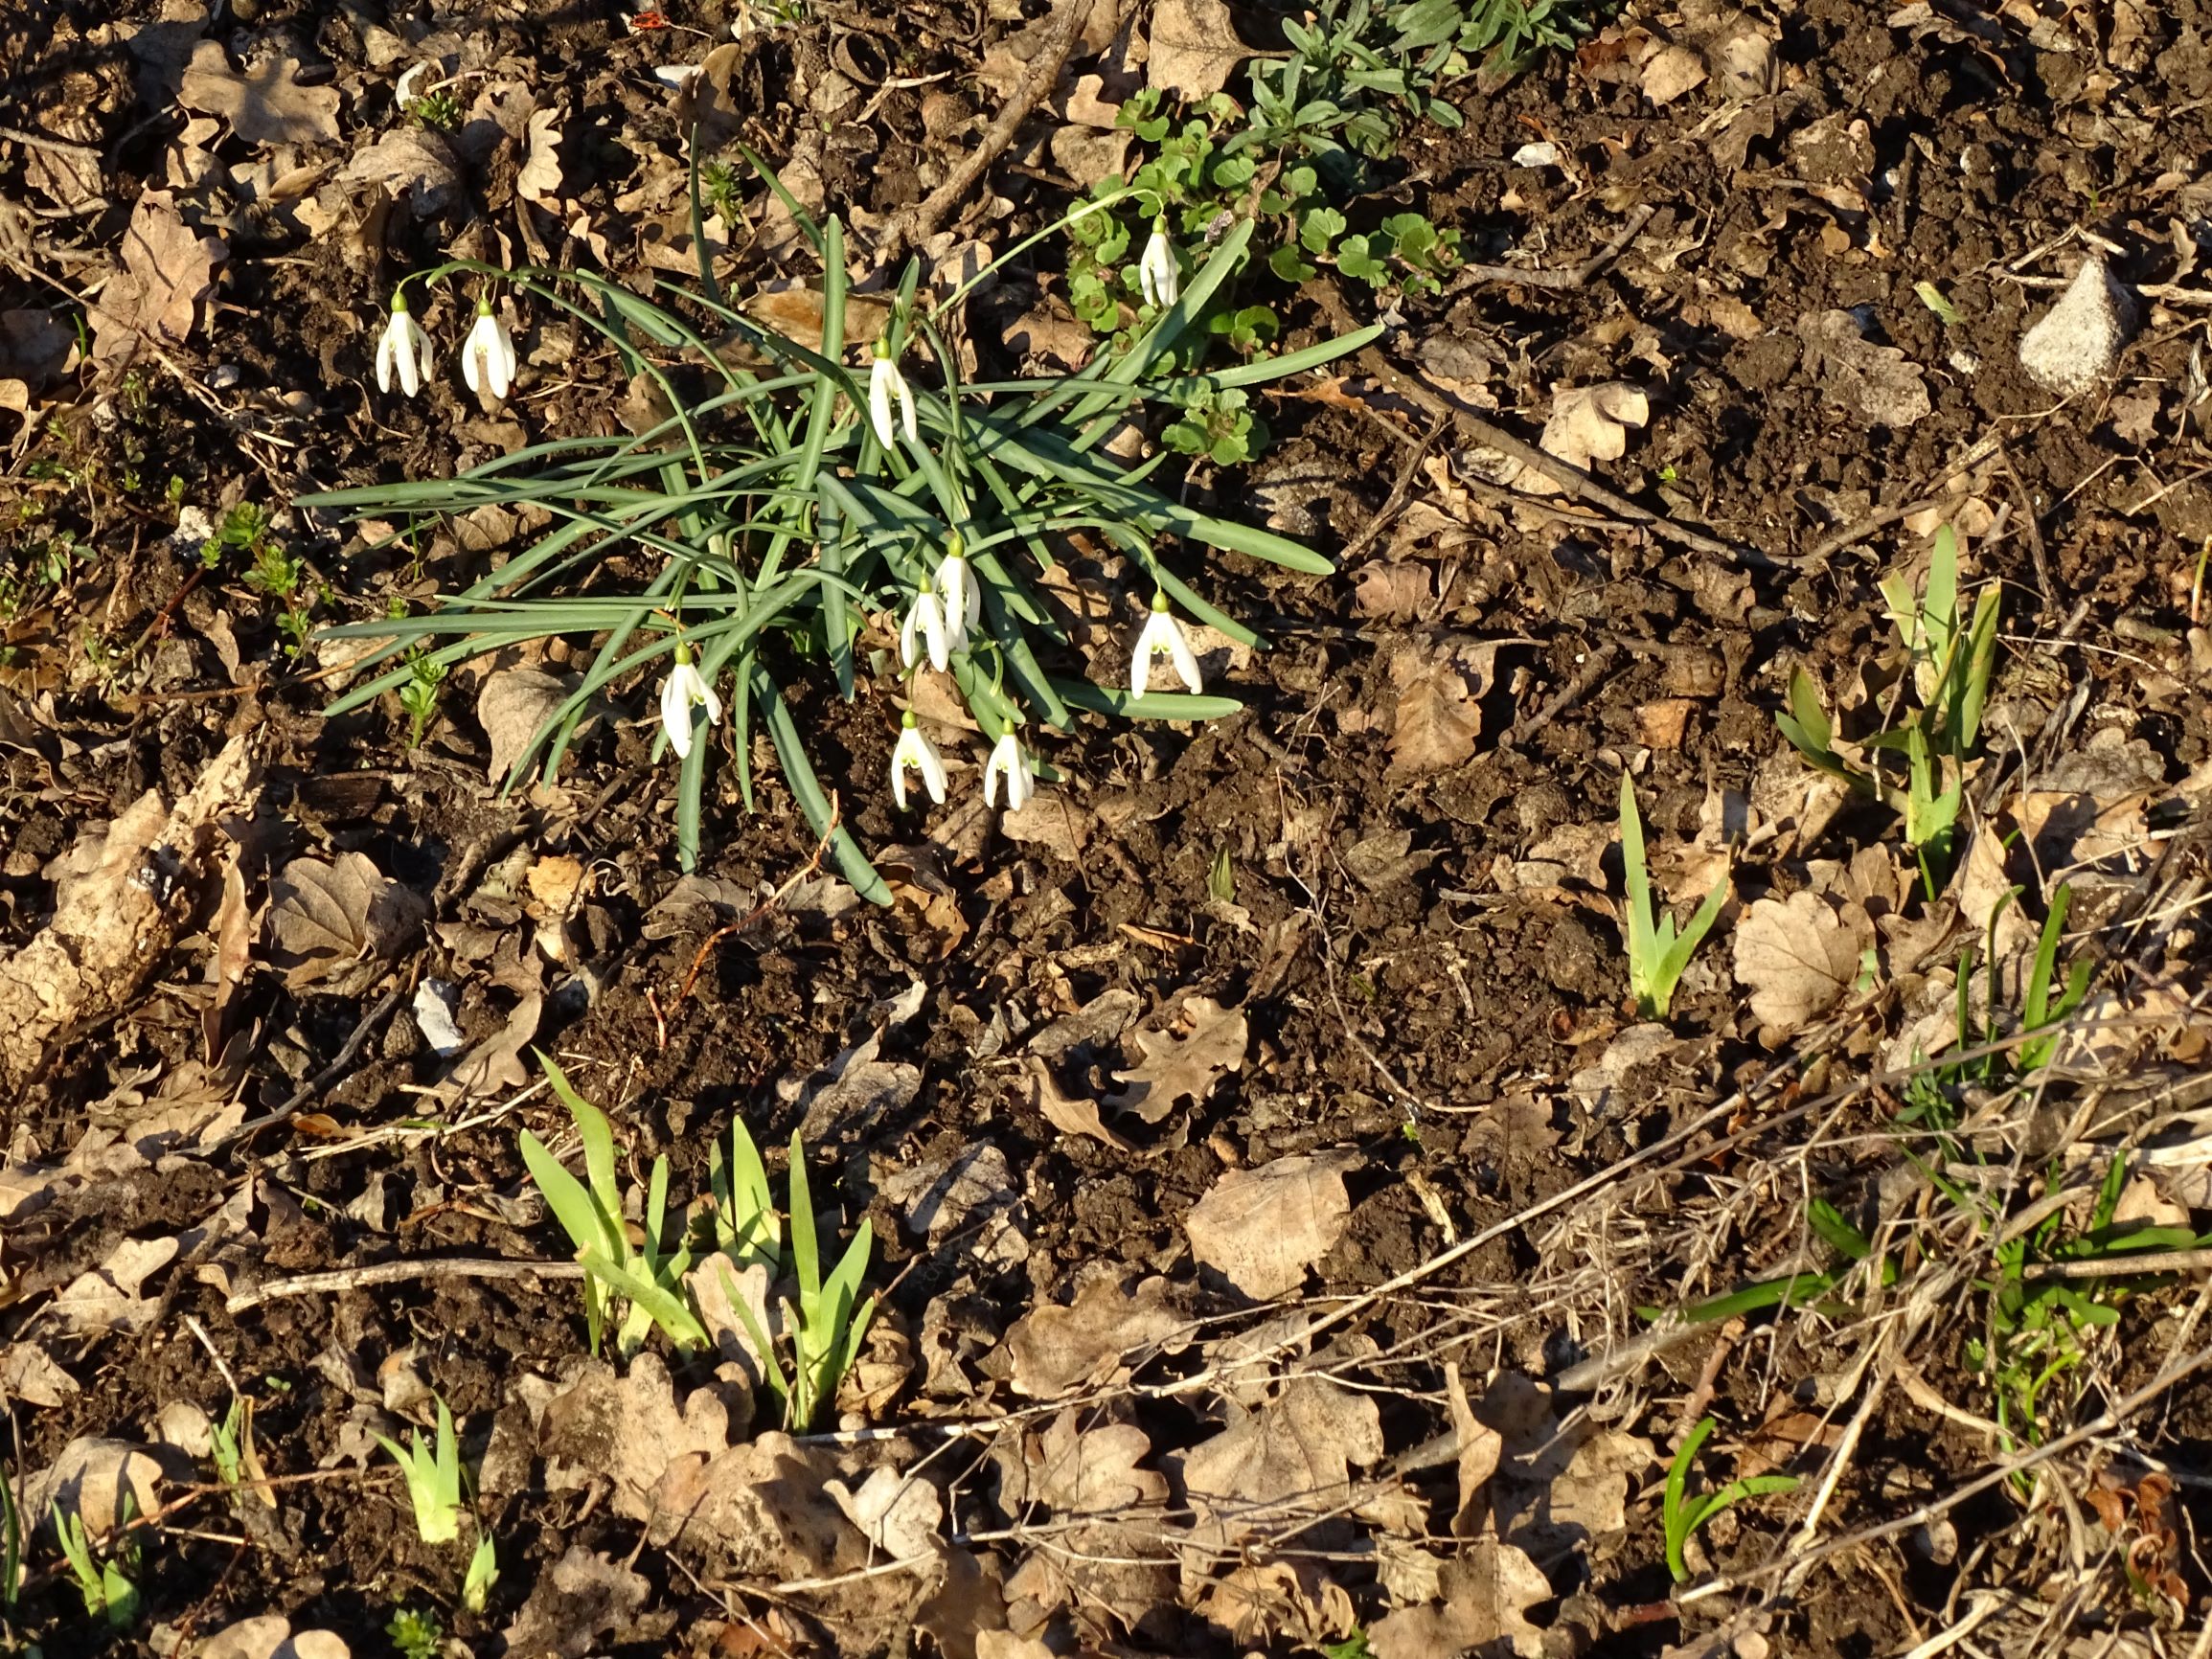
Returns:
(883, 379)
(1008, 761)
(487, 358)
(925, 618)
(685, 688)
(918, 753)
(1163, 637)
(1157, 272)
(962, 596)
(404, 344)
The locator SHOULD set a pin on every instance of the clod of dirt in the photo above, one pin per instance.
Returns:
(584, 1598)
(1262, 1229)
(2078, 343)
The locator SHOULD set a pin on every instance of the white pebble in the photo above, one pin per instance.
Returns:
(2077, 345)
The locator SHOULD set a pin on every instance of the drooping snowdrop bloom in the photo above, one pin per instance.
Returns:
(962, 596)
(404, 345)
(684, 690)
(919, 754)
(1157, 273)
(487, 358)
(1008, 761)
(883, 381)
(1163, 637)
(924, 624)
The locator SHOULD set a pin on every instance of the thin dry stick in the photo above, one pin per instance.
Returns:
(1571, 276)
(920, 221)
(1882, 518)
(315, 1084)
(1399, 490)
(2035, 528)
(399, 1273)
(1575, 482)
(2125, 1265)
(836, 815)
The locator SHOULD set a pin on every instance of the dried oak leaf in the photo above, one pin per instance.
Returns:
(1070, 1114)
(1879, 384)
(270, 1636)
(264, 104)
(513, 703)
(1587, 424)
(107, 1297)
(540, 179)
(1100, 1338)
(168, 268)
(1262, 1228)
(1296, 1453)
(897, 1513)
(1174, 1067)
(413, 160)
(1072, 1471)
(1194, 48)
(1486, 1595)
(1797, 957)
(326, 921)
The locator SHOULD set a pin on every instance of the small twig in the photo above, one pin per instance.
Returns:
(59, 146)
(1407, 471)
(399, 1273)
(2124, 1266)
(1883, 517)
(920, 221)
(1600, 661)
(307, 1090)
(1571, 276)
(2031, 518)
(758, 911)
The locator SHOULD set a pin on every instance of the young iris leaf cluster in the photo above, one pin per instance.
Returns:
(733, 552)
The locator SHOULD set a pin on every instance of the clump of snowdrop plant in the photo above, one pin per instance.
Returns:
(809, 522)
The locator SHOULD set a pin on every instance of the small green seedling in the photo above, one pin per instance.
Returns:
(483, 1574)
(651, 1279)
(104, 1584)
(1657, 954)
(416, 1635)
(1950, 664)
(1684, 1514)
(829, 1321)
(433, 1479)
(743, 1224)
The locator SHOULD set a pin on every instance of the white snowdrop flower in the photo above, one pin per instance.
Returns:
(1008, 761)
(1163, 637)
(920, 753)
(924, 624)
(487, 356)
(883, 381)
(404, 344)
(684, 690)
(1157, 273)
(962, 596)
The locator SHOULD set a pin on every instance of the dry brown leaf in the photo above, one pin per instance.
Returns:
(1072, 1471)
(1879, 384)
(1798, 956)
(28, 1374)
(104, 1482)
(167, 269)
(226, 967)
(896, 1512)
(1589, 424)
(968, 1604)
(107, 1297)
(1670, 72)
(1480, 1446)
(270, 1636)
(1488, 1593)
(330, 921)
(1068, 1114)
(1393, 592)
(1294, 1454)
(264, 104)
(1262, 1228)
(1437, 721)
(413, 161)
(1098, 1339)
(496, 1063)
(1194, 48)
(1180, 1067)
(540, 179)
(513, 703)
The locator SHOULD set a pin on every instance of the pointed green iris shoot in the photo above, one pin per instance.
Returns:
(434, 1483)
(1657, 954)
